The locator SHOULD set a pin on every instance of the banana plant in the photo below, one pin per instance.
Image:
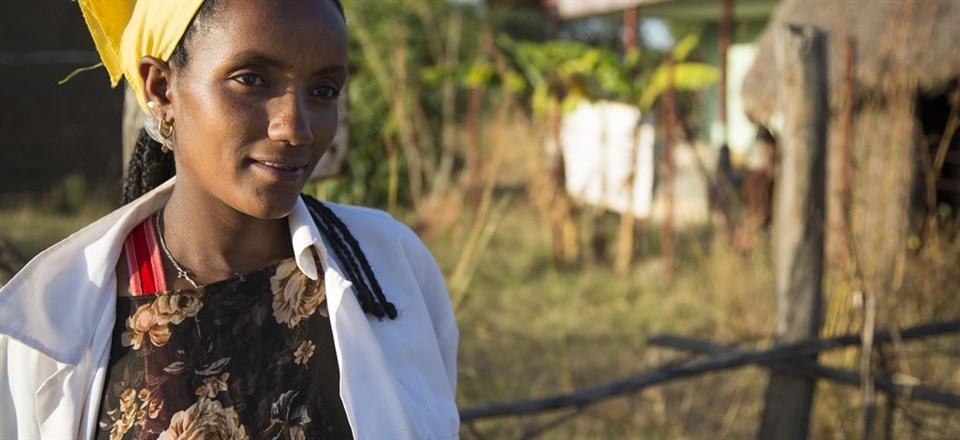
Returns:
(688, 76)
(572, 71)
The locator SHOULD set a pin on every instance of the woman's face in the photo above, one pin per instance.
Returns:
(255, 106)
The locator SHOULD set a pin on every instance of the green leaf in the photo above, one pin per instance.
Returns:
(695, 76)
(434, 75)
(632, 58)
(685, 46)
(541, 100)
(515, 82)
(478, 74)
(690, 76)
(571, 101)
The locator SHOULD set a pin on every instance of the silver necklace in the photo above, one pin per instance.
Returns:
(181, 272)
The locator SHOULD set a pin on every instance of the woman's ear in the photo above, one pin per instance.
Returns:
(156, 87)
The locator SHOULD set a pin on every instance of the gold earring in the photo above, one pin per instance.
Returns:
(165, 131)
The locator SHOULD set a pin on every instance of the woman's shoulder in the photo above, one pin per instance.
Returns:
(372, 223)
(63, 293)
(69, 250)
(99, 241)
(388, 240)
(93, 240)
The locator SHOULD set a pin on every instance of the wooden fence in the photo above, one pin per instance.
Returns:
(799, 247)
(790, 358)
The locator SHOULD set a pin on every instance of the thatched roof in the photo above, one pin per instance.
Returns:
(898, 43)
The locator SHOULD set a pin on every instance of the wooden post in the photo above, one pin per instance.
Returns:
(670, 120)
(628, 34)
(626, 235)
(726, 36)
(474, 161)
(801, 59)
(842, 247)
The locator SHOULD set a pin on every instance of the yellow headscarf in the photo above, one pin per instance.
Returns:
(125, 31)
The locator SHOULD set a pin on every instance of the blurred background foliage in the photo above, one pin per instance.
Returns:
(408, 89)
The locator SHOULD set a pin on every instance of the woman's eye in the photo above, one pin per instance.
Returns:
(326, 92)
(250, 79)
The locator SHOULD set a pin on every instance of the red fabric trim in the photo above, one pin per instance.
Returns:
(131, 256)
(144, 268)
(144, 261)
(156, 260)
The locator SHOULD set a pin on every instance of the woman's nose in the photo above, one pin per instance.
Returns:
(290, 120)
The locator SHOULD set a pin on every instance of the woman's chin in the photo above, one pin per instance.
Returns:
(270, 205)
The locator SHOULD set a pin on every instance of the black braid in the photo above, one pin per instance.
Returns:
(147, 169)
(348, 251)
(355, 246)
(364, 294)
(343, 254)
(349, 256)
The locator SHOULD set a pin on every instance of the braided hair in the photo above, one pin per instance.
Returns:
(149, 167)
(348, 252)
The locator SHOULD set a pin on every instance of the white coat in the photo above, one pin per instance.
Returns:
(397, 377)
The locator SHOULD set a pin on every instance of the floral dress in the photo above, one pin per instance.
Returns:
(250, 357)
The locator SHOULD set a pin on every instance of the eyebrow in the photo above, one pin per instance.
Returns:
(258, 58)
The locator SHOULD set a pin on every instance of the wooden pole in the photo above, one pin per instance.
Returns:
(801, 58)
(726, 36)
(670, 120)
(473, 159)
(629, 30)
(846, 154)
(626, 236)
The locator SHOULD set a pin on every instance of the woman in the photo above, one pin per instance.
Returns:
(222, 304)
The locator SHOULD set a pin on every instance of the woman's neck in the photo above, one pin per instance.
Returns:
(214, 241)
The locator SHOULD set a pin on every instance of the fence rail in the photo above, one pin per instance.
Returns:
(773, 357)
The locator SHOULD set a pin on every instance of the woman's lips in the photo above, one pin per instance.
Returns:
(279, 170)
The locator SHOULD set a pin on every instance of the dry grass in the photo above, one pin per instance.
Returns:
(31, 228)
(530, 330)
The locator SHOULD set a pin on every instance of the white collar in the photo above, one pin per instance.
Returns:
(55, 302)
(304, 235)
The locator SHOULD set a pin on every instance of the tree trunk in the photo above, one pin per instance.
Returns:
(799, 216)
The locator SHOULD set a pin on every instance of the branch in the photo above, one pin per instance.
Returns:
(723, 361)
(810, 368)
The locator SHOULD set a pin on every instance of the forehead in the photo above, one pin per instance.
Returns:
(294, 31)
